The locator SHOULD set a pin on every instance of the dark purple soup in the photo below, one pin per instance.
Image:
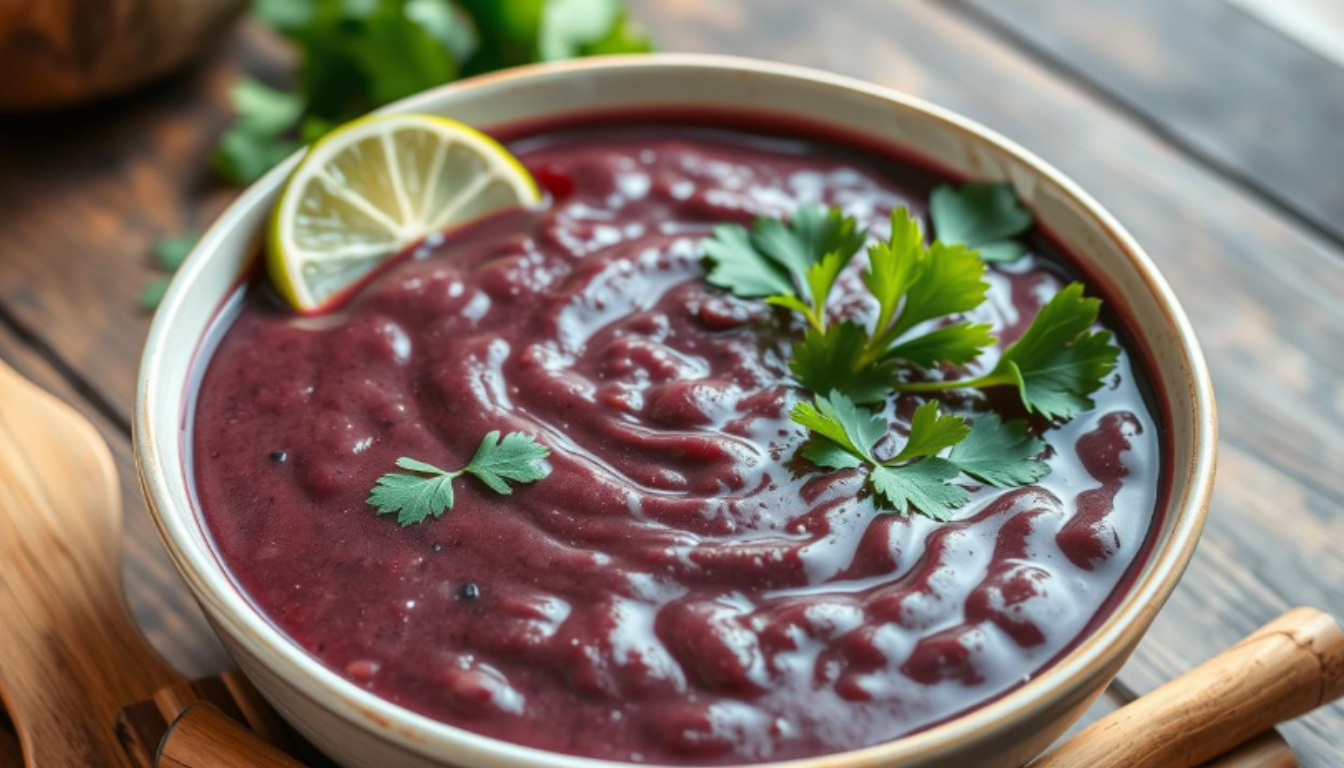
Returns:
(679, 589)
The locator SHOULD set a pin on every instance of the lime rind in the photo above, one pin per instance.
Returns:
(377, 185)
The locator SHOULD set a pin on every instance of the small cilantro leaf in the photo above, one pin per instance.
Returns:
(261, 109)
(1056, 364)
(894, 265)
(924, 486)
(956, 344)
(981, 216)
(821, 276)
(581, 27)
(516, 457)
(1000, 454)
(838, 419)
(914, 284)
(915, 479)
(832, 360)
(413, 497)
(950, 281)
(828, 454)
(428, 490)
(931, 432)
(738, 267)
(813, 233)
(793, 263)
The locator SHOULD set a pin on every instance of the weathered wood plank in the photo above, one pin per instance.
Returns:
(1261, 291)
(157, 597)
(85, 194)
(1218, 81)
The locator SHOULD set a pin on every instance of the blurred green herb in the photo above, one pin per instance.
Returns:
(169, 253)
(357, 55)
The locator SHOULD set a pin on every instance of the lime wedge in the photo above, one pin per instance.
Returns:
(377, 185)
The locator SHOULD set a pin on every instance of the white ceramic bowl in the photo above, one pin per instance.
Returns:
(361, 730)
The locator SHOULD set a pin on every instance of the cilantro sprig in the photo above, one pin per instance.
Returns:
(1056, 364)
(790, 264)
(923, 293)
(425, 490)
(917, 478)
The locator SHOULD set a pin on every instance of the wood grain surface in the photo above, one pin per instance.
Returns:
(82, 195)
(205, 737)
(1211, 78)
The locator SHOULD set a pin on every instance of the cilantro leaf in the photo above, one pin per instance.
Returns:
(837, 419)
(828, 454)
(153, 294)
(1057, 363)
(914, 284)
(812, 233)
(833, 360)
(958, 344)
(413, 497)
(738, 267)
(931, 432)
(1002, 455)
(915, 479)
(428, 490)
(924, 487)
(583, 27)
(983, 217)
(950, 280)
(793, 264)
(516, 457)
(894, 265)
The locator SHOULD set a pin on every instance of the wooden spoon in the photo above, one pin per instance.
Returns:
(70, 655)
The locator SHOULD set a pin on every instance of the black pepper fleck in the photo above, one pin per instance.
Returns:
(468, 591)
(279, 457)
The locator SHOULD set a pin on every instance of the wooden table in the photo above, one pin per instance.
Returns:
(1213, 138)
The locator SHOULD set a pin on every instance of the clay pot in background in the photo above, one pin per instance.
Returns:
(64, 52)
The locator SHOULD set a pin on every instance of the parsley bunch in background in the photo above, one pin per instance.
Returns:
(357, 55)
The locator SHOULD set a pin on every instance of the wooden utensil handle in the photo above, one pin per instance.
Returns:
(70, 655)
(204, 737)
(1285, 669)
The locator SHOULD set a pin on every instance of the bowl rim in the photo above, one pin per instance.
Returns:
(326, 689)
